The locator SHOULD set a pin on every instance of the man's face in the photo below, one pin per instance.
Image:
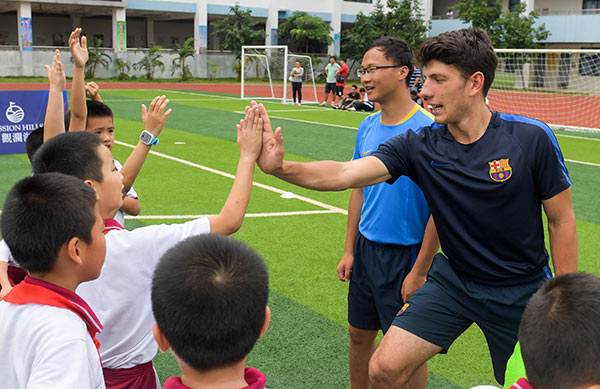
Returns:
(332, 60)
(110, 190)
(381, 83)
(104, 127)
(446, 91)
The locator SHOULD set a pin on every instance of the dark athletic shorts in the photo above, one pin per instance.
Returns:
(375, 283)
(340, 90)
(330, 87)
(442, 309)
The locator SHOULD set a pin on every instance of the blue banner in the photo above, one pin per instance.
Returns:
(21, 112)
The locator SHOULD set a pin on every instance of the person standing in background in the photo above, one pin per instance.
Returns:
(296, 76)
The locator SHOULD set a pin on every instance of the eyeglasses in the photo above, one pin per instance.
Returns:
(371, 69)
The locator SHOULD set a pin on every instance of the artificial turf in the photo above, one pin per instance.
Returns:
(306, 346)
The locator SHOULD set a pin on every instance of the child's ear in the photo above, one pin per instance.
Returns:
(72, 248)
(267, 321)
(92, 184)
(163, 343)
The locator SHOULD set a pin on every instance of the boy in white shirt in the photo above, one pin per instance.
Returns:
(47, 332)
(121, 296)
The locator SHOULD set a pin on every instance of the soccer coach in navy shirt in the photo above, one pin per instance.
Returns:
(486, 176)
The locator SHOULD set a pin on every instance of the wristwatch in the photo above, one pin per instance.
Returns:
(148, 139)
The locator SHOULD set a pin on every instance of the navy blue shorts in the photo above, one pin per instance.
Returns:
(442, 309)
(378, 271)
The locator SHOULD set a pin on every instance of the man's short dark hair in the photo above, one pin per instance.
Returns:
(34, 141)
(469, 49)
(332, 56)
(209, 296)
(560, 333)
(72, 153)
(354, 86)
(43, 212)
(395, 50)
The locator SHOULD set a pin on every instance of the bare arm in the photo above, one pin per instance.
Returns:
(154, 120)
(131, 206)
(320, 175)
(344, 268)
(563, 232)
(230, 219)
(54, 122)
(79, 54)
(418, 275)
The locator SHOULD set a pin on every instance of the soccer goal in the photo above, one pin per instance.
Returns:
(560, 87)
(265, 74)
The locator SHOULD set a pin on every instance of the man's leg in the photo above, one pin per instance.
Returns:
(399, 360)
(362, 346)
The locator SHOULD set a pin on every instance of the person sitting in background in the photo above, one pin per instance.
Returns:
(351, 97)
(209, 298)
(364, 104)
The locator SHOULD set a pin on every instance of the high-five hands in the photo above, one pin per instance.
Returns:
(249, 134)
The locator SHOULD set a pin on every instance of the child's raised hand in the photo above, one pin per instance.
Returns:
(56, 73)
(92, 91)
(78, 47)
(154, 117)
(249, 134)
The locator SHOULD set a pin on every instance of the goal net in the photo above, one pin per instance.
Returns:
(265, 74)
(560, 87)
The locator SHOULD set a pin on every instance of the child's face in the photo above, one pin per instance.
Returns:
(104, 127)
(94, 252)
(110, 190)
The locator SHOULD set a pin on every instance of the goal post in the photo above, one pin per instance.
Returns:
(264, 73)
(560, 87)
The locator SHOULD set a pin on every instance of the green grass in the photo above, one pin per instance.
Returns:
(306, 345)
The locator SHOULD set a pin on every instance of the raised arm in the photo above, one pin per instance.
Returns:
(320, 175)
(230, 219)
(54, 122)
(79, 54)
(563, 232)
(154, 119)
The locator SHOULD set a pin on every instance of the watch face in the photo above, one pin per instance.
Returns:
(146, 137)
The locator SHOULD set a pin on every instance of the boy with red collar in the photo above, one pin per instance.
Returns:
(47, 332)
(209, 298)
(121, 295)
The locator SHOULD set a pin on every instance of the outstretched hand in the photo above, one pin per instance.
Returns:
(154, 118)
(271, 156)
(56, 73)
(78, 47)
(249, 134)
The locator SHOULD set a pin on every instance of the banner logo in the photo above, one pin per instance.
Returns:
(14, 113)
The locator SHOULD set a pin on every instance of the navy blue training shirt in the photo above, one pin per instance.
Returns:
(485, 197)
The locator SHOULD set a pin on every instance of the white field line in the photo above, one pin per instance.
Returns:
(583, 163)
(149, 100)
(579, 137)
(231, 176)
(248, 215)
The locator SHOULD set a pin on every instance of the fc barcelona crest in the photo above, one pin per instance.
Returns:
(500, 170)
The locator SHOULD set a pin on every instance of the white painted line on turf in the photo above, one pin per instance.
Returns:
(583, 163)
(579, 137)
(248, 215)
(150, 99)
(228, 175)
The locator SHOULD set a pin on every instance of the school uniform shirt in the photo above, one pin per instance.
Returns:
(253, 377)
(47, 346)
(121, 295)
(120, 216)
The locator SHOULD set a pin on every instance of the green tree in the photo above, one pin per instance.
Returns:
(237, 29)
(302, 31)
(97, 57)
(184, 51)
(507, 29)
(150, 62)
(400, 18)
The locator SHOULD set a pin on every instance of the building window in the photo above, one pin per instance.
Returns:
(512, 4)
(591, 4)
